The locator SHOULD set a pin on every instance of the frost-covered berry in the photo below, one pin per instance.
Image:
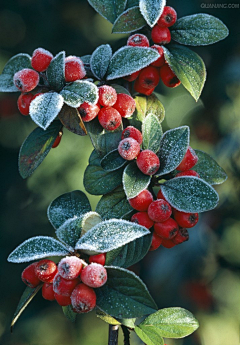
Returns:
(109, 118)
(83, 299)
(70, 267)
(128, 148)
(161, 60)
(168, 243)
(125, 105)
(161, 34)
(46, 270)
(74, 69)
(107, 96)
(63, 286)
(148, 162)
(143, 219)
(168, 77)
(132, 132)
(41, 59)
(167, 229)
(159, 210)
(138, 40)
(132, 76)
(29, 276)
(88, 111)
(62, 300)
(149, 77)
(94, 275)
(189, 160)
(47, 292)
(182, 236)
(168, 17)
(141, 201)
(23, 103)
(156, 242)
(160, 195)
(184, 219)
(187, 173)
(26, 80)
(98, 258)
(140, 89)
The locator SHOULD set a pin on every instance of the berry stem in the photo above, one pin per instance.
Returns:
(113, 335)
(126, 334)
(44, 77)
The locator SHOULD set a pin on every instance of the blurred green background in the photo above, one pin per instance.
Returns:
(202, 275)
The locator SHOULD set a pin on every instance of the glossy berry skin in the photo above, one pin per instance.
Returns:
(148, 162)
(99, 259)
(125, 105)
(57, 140)
(189, 160)
(168, 77)
(29, 276)
(161, 60)
(41, 59)
(132, 76)
(26, 80)
(45, 270)
(74, 69)
(109, 118)
(181, 236)
(161, 34)
(141, 201)
(156, 242)
(168, 17)
(138, 40)
(83, 299)
(185, 220)
(160, 195)
(149, 77)
(88, 111)
(128, 148)
(62, 300)
(159, 210)
(107, 96)
(63, 286)
(132, 132)
(188, 173)
(47, 292)
(167, 229)
(168, 243)
(23, 103)
(70, 267)
(143, 219)
(140, 89)
(94, 275)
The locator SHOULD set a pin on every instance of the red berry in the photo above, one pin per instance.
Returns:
(181, 236)
(159, 210)
(29, 276)
(132, 132)
(161, 60)
(62, 300)
(168, 243)
(74, 69)
(148, 162)
(168, 77)
(83, 299)
(63, 286)
(132, 76)
(46, 270)
(138, 40)
(141, 201)
(167, 229)
(107, 96)
(26, 80)
(99, 259)
(47, 291)
(143, 219)
(189, 160)
(57, 140)
(161, 34)
(187, 173)
(109, 118)
(160, 195)
(23, 103)
(140, 89)
(149, 77)
(156, 242)
(168, 17)
(128, 148)
(41, 59)
(88, 112)
(94, 275)
(185, 220)
(125, 105)
(70, 267)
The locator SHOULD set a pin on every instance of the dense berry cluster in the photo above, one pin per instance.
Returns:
(71, 282)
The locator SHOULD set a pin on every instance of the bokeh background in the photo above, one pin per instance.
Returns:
(202, 275)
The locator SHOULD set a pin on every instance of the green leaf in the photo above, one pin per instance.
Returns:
(67, 206)
(45, 108)
(173, 146)
(72, 120)
(134, 181)
(188, 67)
(109, 9)
(110, 234)
(149, 336)
(36, 147)
(120, 89)
(70, 231)
(169, 323)
(208, 169)
(199, 30)
(112, 161)
(69, 313)
(128, 60)
(152, 10)
(132, 3)
(78, 92)
(89, 220)
(107, 318)
(37, 248)
(152, 133)
(190, 194)
(56, 72)
(124, 295)
(15, 64)
(100, 60)
(129, 21)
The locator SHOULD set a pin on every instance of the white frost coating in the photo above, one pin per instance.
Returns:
(100, 60)
(132, 183)
(43, 51)
(129, 21)
(152, 10)
(78, 92)
(69, 232)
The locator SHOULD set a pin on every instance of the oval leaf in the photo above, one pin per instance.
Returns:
(72, 120)
(70, 231)
(149, 336)
(129, 21)
(152, 133)
(100, 60)
(120, 89)
(109, 9)
(152, 10)
(134, 181)
(89, 220)
(56, 72)
(112, 161)
(78, 92)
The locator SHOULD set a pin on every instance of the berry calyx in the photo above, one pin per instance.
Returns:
(63, 286)
(41, 59)
(83, 299)
(189, 160)
(156, 242)
(29, 276)
(70, 267)
(125, 105)
(94, 275)
(57, 140)
(128, 148)
(88, 111)
(143, 219)
(132, 132)
(148, 162)
(107, 96)
(188, 173)
(47, 292)
(45, 270)
(161, 34)
(159, 210)
(139, 88)
(141, 201)
(62, 300)
(181, 236)
(168, 17)
(184, 219)
(26, 80)
(149, 77)
(167, 229)
(168, 77)
(23, 103)
(161, 60)
(74, 69)
(109, 118)
(99, 259)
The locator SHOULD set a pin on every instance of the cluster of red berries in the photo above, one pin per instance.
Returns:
(148, 78)
(71, 282)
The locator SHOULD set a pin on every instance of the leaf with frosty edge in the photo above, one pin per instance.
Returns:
(15, 64)
(100, 60)
(124, 295)
(152, 133)
(70, 231)
(188, 67)
(109, 9)
(72, 120)
(129, 21)
(36, 147)
(112, 161)
(45, 108)
(38, 247)
(69, 313)
(199, 30)
(68, 206)
(128, 60)
(56, 72)
(190, 194)
(134, 181)
(152, 10)
(78, 92)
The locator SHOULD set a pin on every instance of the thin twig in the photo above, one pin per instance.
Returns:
(113, 335)
(126, 334)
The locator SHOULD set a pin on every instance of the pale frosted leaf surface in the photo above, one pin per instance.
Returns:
(69, 313)
(78, 92)
(173, 146)
(134, 181)
(190, 194)
(112, 161)
(71, 119)
(129, 21)
(151, 10)
(120, 89)
(15, 64)
(56, 72)
(124, 295)
(110, 234)
(100, 60)
(89, 220)
(45, 108)
(36, 147)
(68, 206)
(152, 133)
(86, 59)
(70, 231)
(188, 67)
(37, 248)
(199, 30)
(109, 9)
(128, 60)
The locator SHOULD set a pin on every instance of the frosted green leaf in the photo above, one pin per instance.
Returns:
(132, 3)
(70, 231)
(72, 120)
(109, 9)
(112, 161)
(38, 247)
(149, 336)
(78, 92)
(56, 72)
(89, 220)
(100, 60)
(69, 313)
(86, 59)
(152, 133)
(199, 30)
(45, 108)
(152, 10)
(129, 21)
(134, 181)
